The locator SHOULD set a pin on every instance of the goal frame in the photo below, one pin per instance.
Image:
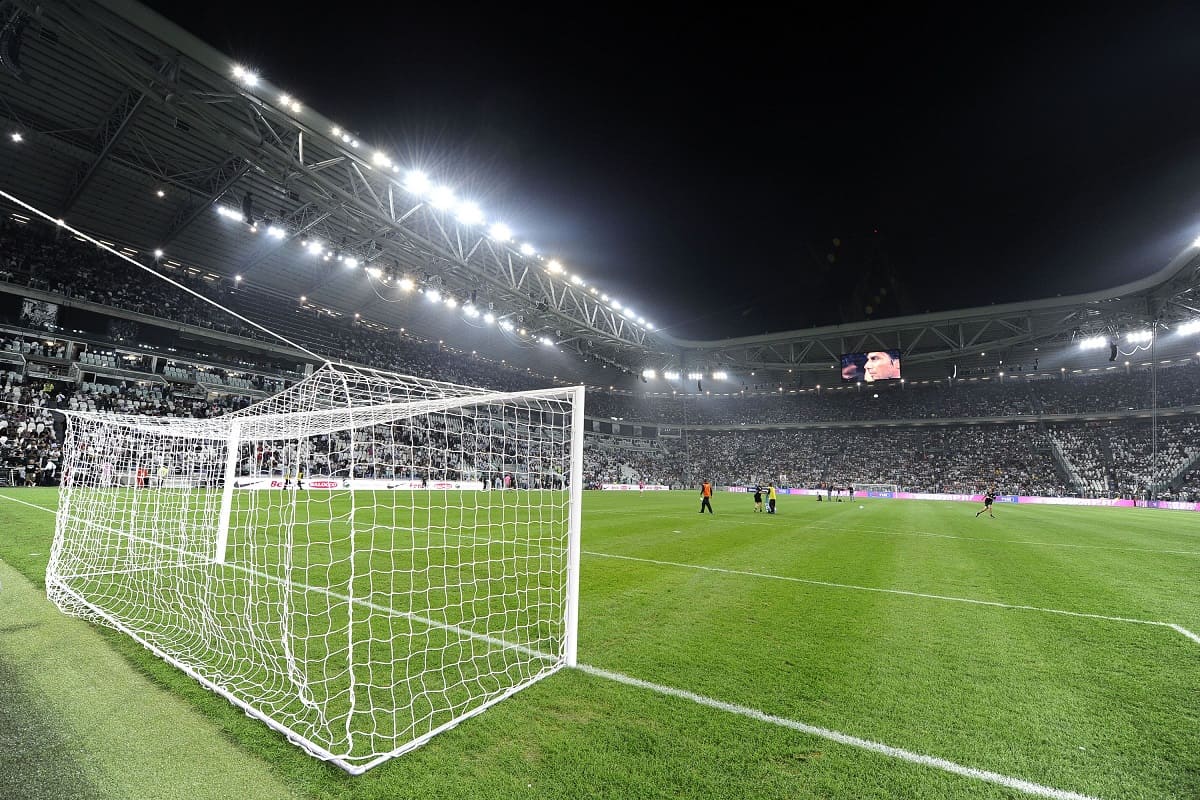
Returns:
(71, 601)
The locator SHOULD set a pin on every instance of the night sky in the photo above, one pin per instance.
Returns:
(741, 173)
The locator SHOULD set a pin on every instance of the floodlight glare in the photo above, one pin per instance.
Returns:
(720, 376)
(500, 232)
(671, 375)
(276, 231)
(695, 376)
(616, 304)
(17, 137)
(469, 213)
(433, 295)
(489, 317)
(374, 272)
(416, 182)
(451, 302)
(315, 247)
(648, 373)
(380, 159)
(1139, 336)
(506, 325)
(352, 262)
(554, 267)
(442, 197)
(407, 284)
(237, 278)
(546, 341)
(1196, 242)
(578, 281)
(527, 249)
(158, 253)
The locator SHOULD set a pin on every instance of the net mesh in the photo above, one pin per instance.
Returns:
(361, 561)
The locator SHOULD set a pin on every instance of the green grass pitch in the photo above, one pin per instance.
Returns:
(908, 624)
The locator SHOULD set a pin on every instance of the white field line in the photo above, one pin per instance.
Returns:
(827, 528)
(903, 592)
(1018, 784)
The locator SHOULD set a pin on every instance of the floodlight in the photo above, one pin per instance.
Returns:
(616, 304)
(1139, 336)
(695, 376)
(527, 249)
(160, 193)
(489, 317)
(407, 284)
(671, 375)
(303, 299)
(158, 253)
(352, 262)
(416, 182)
(276, 231)
(500, 232)
(554, 266)
(469, 213)
(433, 295)
(1196, 242)
(720, 376)
(237, 278)
(17, 137)
(546, 341)
(374, 272)
(578, 281)
(506, 325)
(451, 302)
(380, 159)
(315, 247)
(442, 197)
(650, 326)
(649, 373)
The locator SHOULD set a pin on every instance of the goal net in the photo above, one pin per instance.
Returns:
(361, 561)
(878, 488)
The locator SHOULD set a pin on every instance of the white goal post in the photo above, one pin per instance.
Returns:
(891, 488)
(361, 562)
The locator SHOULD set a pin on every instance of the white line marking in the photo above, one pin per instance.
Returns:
(1018, 784)
(1194, 637)
(830, 584)
(832, 529)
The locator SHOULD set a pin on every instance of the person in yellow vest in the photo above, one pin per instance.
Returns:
(706, 497)
(771, 499)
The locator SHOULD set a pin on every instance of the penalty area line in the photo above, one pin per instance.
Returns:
(902, 592)
(1009, 782)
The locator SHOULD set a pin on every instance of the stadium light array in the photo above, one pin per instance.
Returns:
(695, 376)
(433, 295)
(720, 376)
(506, 325)
(276, 232)
(246, 76)
(290, 103)
(1093, 342)
(671, 375)
(315, 247)
(554, 267)
(500, 232)
(469, 213)
(407, 284)
(649, 374)
(1190, 327)
(351, 262)
(1139, 336)
(417, 182)
(527, 249)
(451, 302)
(374, 272)
(442, 197)
(489, 318)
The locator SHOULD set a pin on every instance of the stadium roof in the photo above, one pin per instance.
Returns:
(137, 132)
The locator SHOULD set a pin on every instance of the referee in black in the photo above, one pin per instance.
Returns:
(988, 499)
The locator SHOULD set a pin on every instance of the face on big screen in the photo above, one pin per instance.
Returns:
(881, 367)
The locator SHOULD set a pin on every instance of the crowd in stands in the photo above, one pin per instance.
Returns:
(1101, 459)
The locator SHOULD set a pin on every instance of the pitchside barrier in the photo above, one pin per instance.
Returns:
(1003, 498)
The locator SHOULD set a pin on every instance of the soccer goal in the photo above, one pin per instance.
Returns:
(341, 560)
(877, 488)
